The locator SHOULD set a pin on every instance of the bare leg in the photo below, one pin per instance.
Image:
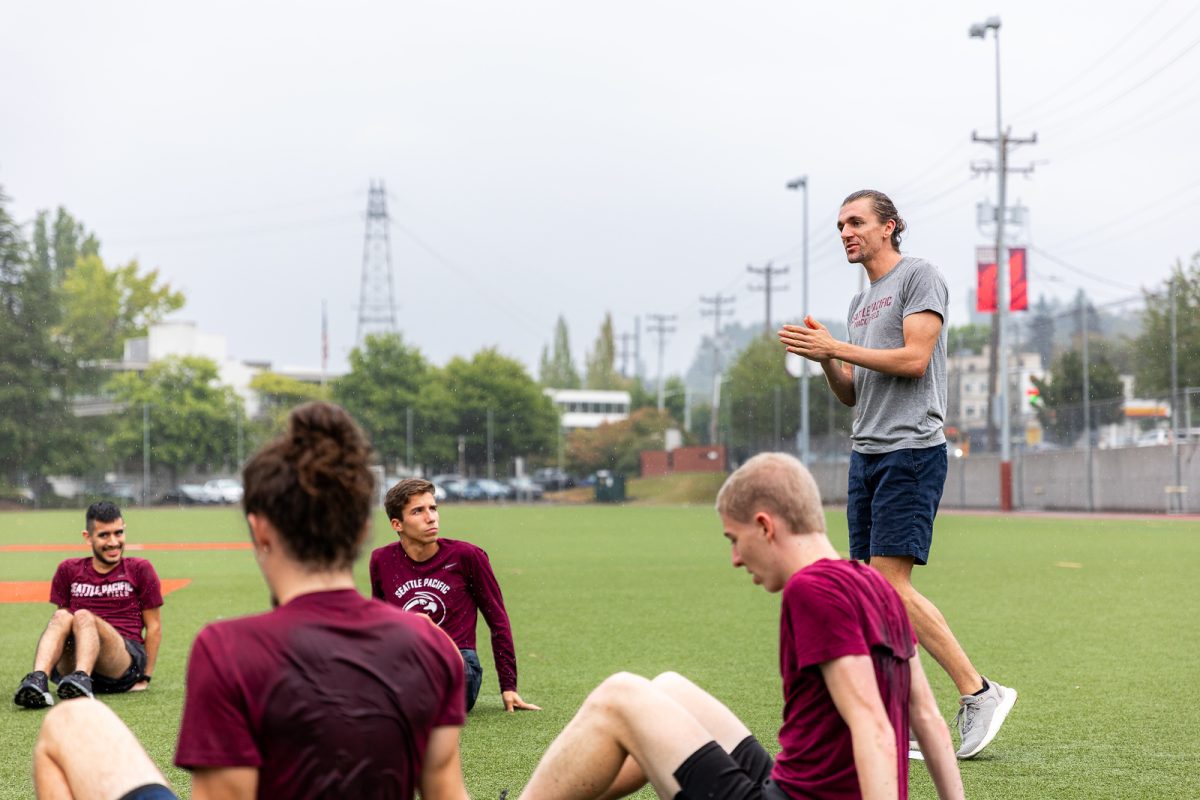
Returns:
(54, 638)
(113, 765)
(932, 630)
(624, 716)
(99, 647)
(713, 715)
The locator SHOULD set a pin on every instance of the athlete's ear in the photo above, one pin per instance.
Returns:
(396, 525)
(766, 524)
(261, 532)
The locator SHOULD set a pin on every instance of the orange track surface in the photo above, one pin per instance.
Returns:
(39, 591)
(55, 548)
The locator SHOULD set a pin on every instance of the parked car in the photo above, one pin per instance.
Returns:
(224, 490)
(552, 479)
(525, 488)
(186, 494)
(484, 489)
(454, 489)
(119, 492)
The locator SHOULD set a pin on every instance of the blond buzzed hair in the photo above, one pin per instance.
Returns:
(778, 484)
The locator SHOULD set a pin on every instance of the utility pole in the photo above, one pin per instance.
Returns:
(1177, 489)
(660, 324)
(625, 340)
(767, 288)
(718, 302)
(1087, 403)
(376, 300)
(637, 347)
(999, 352)
(804, 433)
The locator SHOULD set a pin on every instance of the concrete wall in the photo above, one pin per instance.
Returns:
(1123, 479)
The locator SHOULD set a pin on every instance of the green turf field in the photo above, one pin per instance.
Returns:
(1093, 621)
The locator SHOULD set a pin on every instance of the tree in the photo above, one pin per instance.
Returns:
(558, 371)
(601, 360)
(192, 419)
(1061, 392)
(971, 338)
(1153, 347)
(524, 420)
(56, 247)
(387, 378)
(618, 446)
(103, 307)
(35, 418)
(758, 384)
(278, 395)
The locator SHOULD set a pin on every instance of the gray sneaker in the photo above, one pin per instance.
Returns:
(34, 691)
(980, 717)
(77, 684)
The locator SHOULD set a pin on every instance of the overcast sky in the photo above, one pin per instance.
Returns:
(547, 158)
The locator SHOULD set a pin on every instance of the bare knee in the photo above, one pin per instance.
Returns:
(85, 618)
(615, 693)
(670, 680)
(62, 618)
(63, 723)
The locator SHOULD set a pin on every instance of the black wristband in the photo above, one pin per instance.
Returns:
(145, 678)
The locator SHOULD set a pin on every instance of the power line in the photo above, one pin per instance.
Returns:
(767, 288)
(660, 325)
(1126, 37)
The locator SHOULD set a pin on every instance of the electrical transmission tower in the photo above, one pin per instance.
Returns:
(376, 299)
(716, 312)
(660, 325)
(767, 288)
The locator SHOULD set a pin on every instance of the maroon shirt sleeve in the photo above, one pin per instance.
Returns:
(215, 729)
(60, 587)
(376, 580)
(486, 593)
(149, 589)
(822, 624)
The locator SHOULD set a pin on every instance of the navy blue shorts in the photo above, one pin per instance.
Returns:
(892, 499)
(474, 676)
(102, 684)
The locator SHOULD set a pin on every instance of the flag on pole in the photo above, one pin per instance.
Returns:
(1018, 284)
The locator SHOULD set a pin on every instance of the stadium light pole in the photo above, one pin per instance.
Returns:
(979, 31)
(794, 185)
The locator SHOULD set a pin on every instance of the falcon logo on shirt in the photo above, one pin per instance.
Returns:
(429, 604)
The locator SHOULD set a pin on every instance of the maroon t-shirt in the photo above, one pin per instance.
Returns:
(449, 588)
(118, 597)
(831, 609)
(330, 695)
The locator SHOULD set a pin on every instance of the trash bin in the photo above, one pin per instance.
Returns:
(610, 488)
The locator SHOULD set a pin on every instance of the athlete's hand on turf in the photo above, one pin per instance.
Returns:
(140, 686)
(513, 702)
(811, 340)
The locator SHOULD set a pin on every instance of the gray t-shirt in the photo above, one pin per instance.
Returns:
(892, 413)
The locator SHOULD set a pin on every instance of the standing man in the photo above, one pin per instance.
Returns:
(104, 637)
(893, 370)
(449, 581)
(852, 682)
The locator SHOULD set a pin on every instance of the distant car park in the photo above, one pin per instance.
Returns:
(525, 488)
(485, 489)
(186, 494)
(224, 490)
(552, 479)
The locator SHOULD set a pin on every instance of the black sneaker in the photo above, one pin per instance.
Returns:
(77, 684)
(34, 691)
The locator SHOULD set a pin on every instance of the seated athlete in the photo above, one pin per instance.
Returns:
(104, 637)
(852, 681)
(448, 580)
(328, 695)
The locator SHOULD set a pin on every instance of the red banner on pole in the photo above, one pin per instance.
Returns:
(1018, 283)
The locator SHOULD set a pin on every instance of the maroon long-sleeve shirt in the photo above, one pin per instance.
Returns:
(451, 589)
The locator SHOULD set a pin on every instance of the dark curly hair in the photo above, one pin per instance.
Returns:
(884, 209)
(315, 485)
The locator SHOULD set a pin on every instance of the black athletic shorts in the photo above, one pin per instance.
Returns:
(151, 791)
(744, 774)
(102, 684)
